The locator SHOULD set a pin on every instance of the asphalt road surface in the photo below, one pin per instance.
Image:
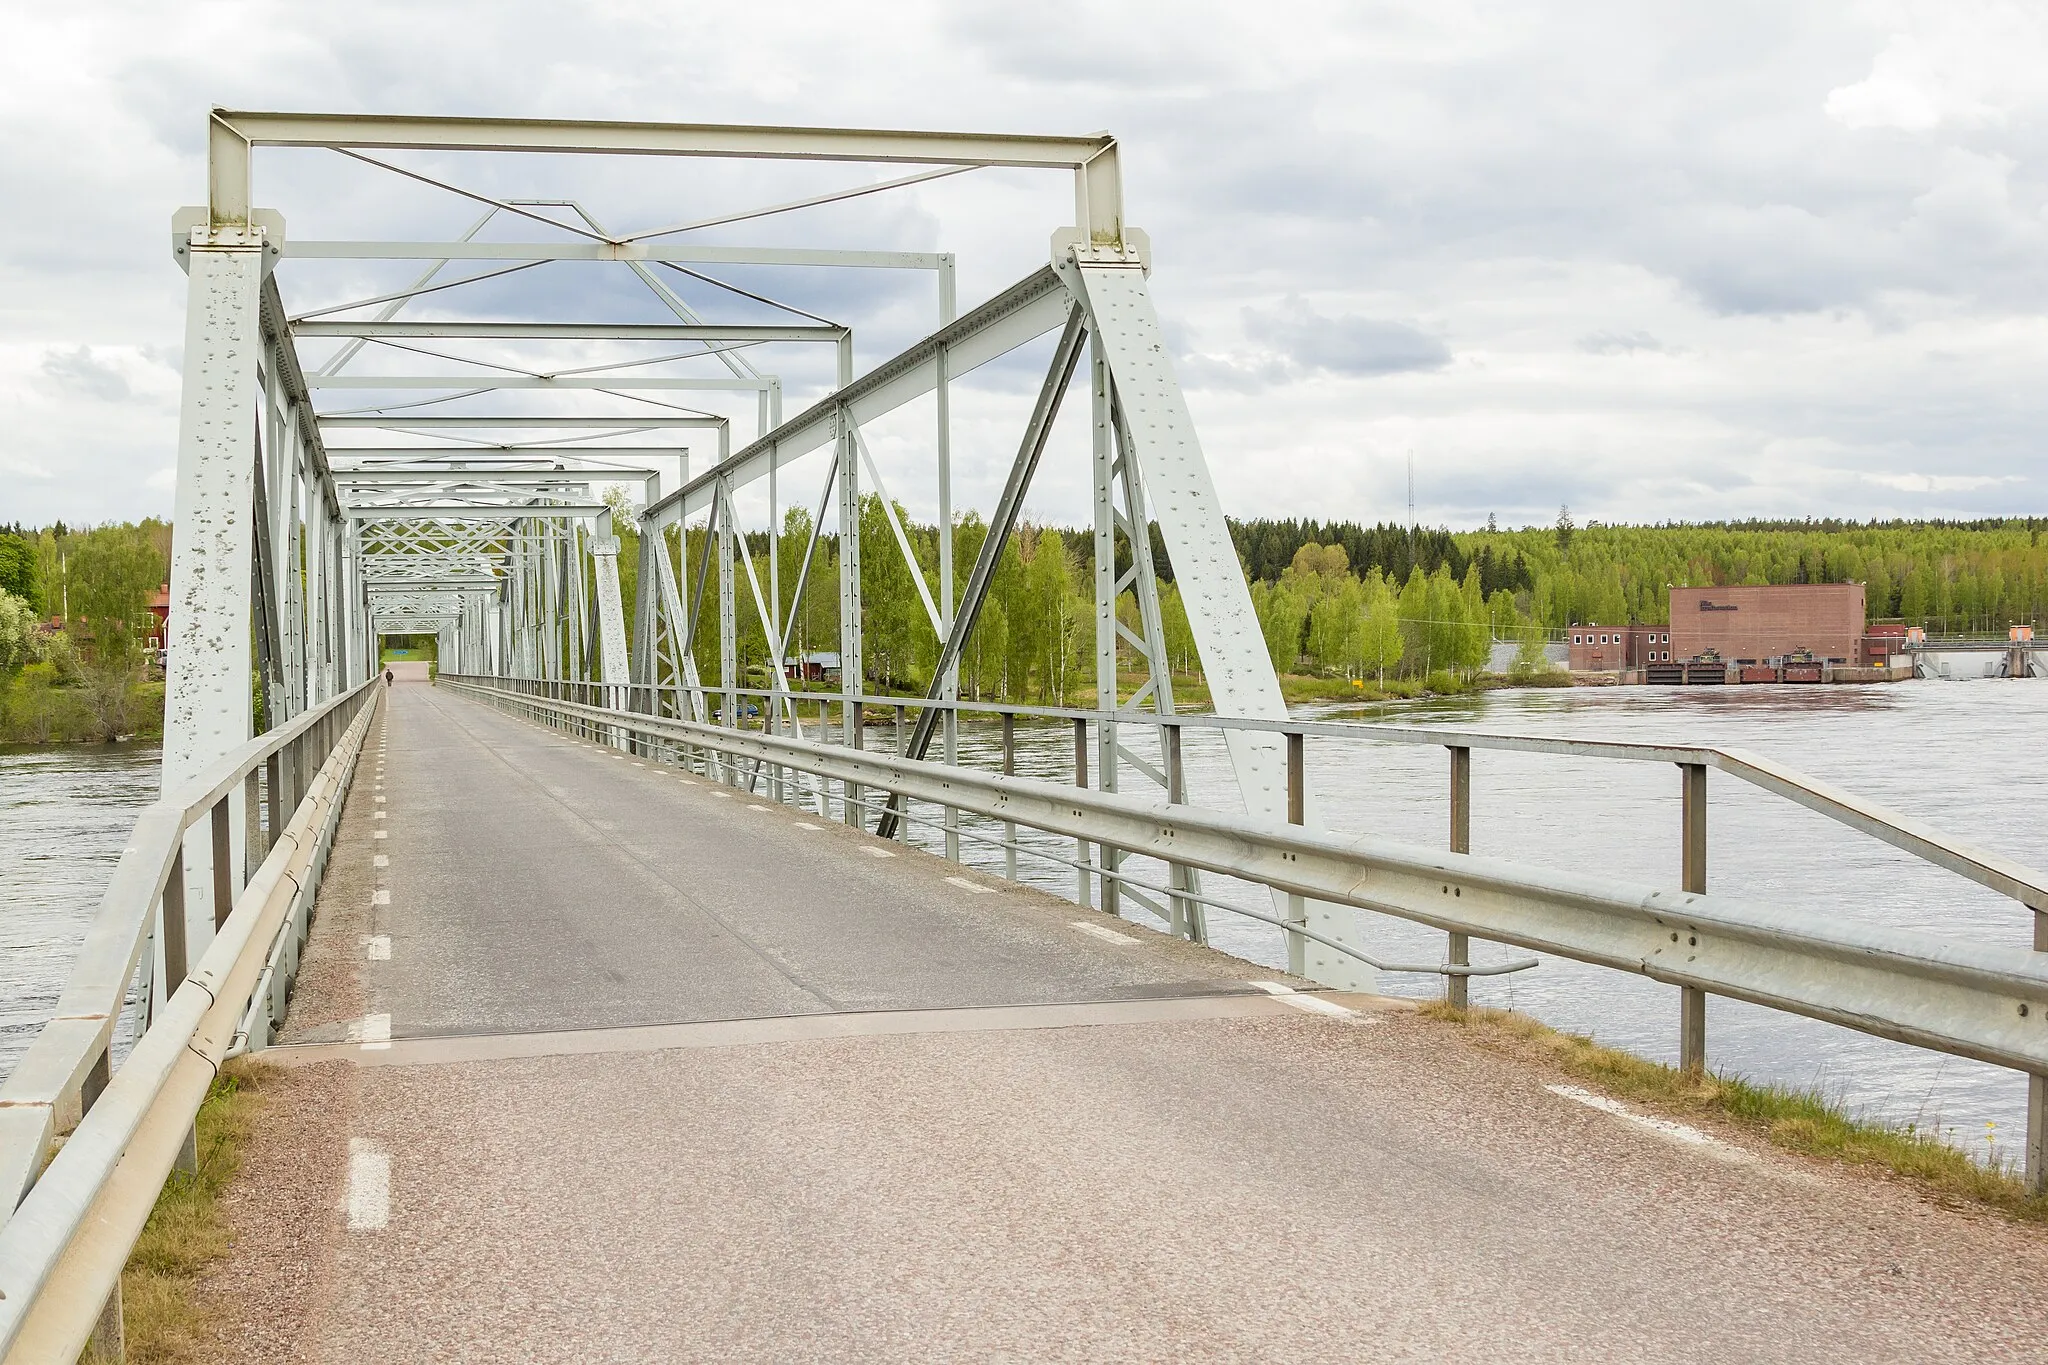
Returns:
(604, 1062)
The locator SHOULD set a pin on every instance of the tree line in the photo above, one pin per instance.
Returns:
(74, 621)
(1350, 600)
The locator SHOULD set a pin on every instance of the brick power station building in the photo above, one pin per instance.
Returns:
(1759, 623)
(1778, 632)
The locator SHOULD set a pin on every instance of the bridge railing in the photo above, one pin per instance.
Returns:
(1896, 984)
(62, 1249)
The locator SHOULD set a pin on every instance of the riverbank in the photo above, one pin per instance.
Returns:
(36, 709)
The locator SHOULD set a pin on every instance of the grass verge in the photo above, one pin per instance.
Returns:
(165, 1320)
(1802, 1121)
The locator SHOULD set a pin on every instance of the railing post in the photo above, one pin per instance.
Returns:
(2036, 1173)
(223, 873)
(855, 717)
(949, 731)
(898, 802)
(1183, 910)
(1692, 1002)
(273, 777)
(1297, 814)
(1458, 986)
(1083, 891)
(1009, 770)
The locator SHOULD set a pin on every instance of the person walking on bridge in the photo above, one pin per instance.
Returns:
(387, 677)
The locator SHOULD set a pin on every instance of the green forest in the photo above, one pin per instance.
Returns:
(74, 626)
(1340, 603)
(1345, 609)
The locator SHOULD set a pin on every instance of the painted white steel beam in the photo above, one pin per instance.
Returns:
(456, 511)
(615, 251)
(731, 383)
(232, 134)
(572, 331)
(494, 422)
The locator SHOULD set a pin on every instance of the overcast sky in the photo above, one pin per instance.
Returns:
(1656, 261)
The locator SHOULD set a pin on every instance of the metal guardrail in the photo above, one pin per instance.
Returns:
(62, 1249)
(2003, 875)
(1985, 1002)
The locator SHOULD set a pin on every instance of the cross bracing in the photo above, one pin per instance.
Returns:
(440, 450)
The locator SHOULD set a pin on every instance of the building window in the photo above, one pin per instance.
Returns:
(1577, 641)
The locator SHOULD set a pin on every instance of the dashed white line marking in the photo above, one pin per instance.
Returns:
(976, 887)
(802, 825)
(380, 834)
(380, 898)
(377, 860)
(639, 765)
(379, 815)
(876, 852)
(380, 800)
(1106, 935)
(369, 1186)
(723, 796)
(1679, 1133)
(373, 1031)
(377, 947)
(378, 787)
(751, 806)
(1271, 987)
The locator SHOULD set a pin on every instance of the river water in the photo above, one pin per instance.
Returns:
(65, 814)
(1967, 757)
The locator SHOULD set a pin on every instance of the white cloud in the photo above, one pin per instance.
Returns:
(1960, 63)
(1939, 483)
(1691, 261)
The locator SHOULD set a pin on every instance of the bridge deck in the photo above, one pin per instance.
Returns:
(677, 1078)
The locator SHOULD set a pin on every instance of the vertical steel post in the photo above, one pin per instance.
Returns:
(2036, 1173)
(1297, 814)
(1692, 1002)
(223, 865)
(851, 667)
(1009, 770)
(1457, 986)
(949, 682)
(1184, 922)
(207, 697)
(172, 933)
(1083, 891)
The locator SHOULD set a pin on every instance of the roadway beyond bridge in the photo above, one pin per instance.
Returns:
(596, 1060)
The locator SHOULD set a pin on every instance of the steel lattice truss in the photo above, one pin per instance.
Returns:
(428, 455)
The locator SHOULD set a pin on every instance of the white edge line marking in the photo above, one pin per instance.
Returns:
(1097, 931)
(1313, 1004)
(1667, 1129)
(377, 947)
(373, 1031)
(369, 1186)
(976, 887)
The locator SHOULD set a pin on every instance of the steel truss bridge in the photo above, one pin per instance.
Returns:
(432, 458)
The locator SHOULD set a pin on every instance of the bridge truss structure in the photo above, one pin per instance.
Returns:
(430, 458)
